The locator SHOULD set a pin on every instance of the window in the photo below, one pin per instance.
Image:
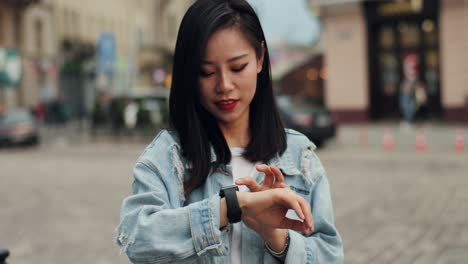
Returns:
(1, 28)
(386, 38)
(409, 35)
(171, 26)
(38, 33)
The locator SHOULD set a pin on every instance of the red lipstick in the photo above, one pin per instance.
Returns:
(226, 105)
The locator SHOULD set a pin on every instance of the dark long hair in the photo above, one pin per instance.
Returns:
(196, 127)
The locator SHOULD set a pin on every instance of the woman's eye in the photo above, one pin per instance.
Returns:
(206, 73)
(239, 69)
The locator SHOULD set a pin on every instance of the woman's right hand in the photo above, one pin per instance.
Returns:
(264, 210)
(273, 179)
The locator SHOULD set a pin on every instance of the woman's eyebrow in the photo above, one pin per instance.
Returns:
(229, 60)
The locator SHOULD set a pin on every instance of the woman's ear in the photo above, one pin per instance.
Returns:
(260, 58)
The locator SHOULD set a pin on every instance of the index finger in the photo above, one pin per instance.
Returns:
(307, 210)
(279, 177)
(269, 175)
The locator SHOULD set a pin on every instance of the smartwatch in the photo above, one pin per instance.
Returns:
(234, 212)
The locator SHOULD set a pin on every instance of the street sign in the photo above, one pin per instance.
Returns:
(10, 68)
(106, 53)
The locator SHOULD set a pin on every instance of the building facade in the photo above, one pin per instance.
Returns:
(68, 68)
(372, 47)
(11, 41)
(168, 17)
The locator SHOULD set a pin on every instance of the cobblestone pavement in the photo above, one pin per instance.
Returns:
(60, 202)
(400, 207)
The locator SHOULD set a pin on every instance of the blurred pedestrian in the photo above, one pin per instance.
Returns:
(130, 114)
(225, 130)
(408, 87)
(420, 96)
(407, 101)
(39, 112)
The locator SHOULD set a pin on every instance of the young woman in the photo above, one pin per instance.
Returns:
(225, 130)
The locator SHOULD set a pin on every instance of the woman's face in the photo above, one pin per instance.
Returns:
(228, 76)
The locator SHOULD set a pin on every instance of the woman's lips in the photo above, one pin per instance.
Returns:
(226, 104)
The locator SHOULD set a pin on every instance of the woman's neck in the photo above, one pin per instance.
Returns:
(236, 135)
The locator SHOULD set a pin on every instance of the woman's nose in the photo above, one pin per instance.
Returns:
(225, 83)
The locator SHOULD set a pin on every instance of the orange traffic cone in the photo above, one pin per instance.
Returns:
(459, 140)
(421, 144)
(388, 142)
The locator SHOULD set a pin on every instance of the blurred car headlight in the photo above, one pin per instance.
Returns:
(23, 129)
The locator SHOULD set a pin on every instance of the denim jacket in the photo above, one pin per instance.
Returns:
(158, 224)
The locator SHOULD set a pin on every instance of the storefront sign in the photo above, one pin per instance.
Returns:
(10, 68)
(400, 7)
(106, 53)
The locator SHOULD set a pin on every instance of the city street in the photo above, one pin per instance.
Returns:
(89, 89)
(60, 202)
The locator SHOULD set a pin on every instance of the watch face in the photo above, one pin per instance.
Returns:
(226, 188)
(231, 187)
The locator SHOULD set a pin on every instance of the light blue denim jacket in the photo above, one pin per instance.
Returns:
(158, 224)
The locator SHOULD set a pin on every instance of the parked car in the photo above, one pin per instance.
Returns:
(3, 255)
(312, 120)
(18, 127)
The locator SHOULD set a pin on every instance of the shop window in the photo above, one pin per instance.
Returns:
(409, 35)
(387, 38)
(430, 32)
(390, 76)
(431, 75)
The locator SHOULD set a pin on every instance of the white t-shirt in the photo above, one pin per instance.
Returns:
(240, 168)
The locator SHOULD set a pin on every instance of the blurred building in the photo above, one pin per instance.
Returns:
(370, 47)
(98, 50)
(156, 59)
(12, 35)
(70, 50)
(305, 80)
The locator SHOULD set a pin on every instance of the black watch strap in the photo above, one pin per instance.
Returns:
(234, 212)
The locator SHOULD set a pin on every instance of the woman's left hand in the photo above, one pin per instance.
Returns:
(273, 179)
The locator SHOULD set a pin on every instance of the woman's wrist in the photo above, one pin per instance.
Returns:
(242, 199)
(276, 239)
(281, 249)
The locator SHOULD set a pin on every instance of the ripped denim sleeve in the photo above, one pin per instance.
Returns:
(154, 230)
(324, 245)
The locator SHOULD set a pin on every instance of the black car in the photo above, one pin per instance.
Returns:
(3, 255)
(311, 120)
(18, 127)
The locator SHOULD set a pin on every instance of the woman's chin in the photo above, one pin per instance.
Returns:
(227, 119)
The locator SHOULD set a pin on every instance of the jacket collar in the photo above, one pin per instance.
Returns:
(285, 163)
